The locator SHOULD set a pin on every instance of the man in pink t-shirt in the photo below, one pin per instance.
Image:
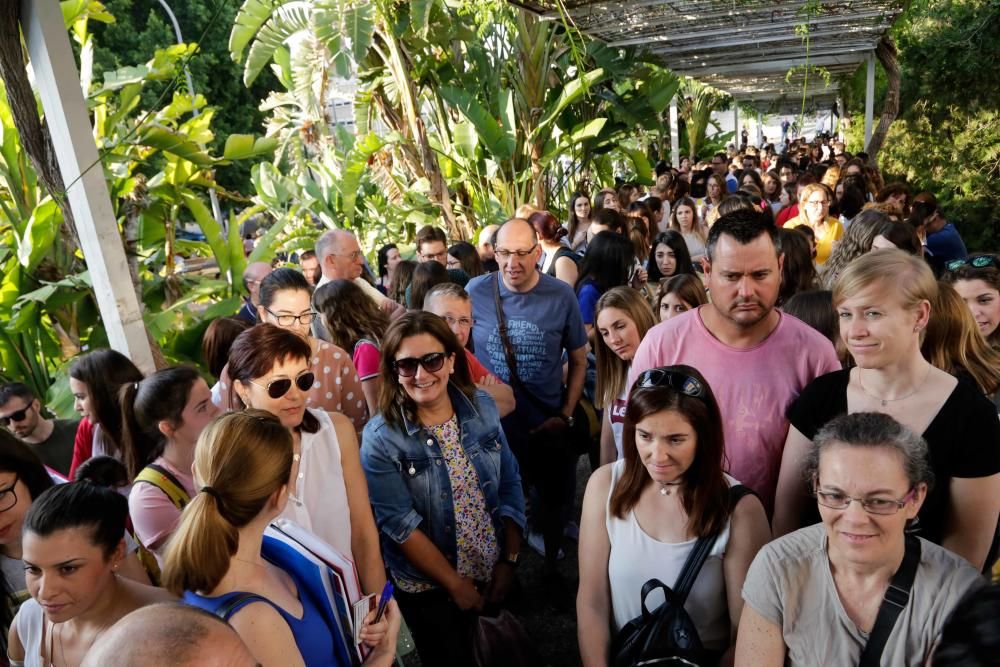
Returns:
(755, 358)
(451, 302)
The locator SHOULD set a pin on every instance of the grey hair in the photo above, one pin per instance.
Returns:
(873, 429)
(453, 290)
(329, 242)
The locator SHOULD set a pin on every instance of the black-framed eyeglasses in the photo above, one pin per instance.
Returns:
(407, 367)
(521, 254)
(15, 416)
(278, 388)
(838, 500)
(289, 320)
(664, 377)
(978, 262)
(8, 496)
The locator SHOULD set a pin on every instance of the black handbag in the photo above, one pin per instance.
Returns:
(667, 635)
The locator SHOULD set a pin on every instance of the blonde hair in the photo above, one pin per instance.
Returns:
(612, 371)
(907, 276)
(243, 458)
(954, 344)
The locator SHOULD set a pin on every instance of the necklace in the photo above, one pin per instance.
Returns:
(666, 488)
(887, 401)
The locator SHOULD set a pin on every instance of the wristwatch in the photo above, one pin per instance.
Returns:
(570, 421)
(512, 559)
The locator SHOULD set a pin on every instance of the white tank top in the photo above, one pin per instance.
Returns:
(636, 558)
(319, 503)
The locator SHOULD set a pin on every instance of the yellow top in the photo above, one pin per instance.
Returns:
(830, 232)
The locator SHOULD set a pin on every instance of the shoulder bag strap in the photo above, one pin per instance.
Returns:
(508, 350)
(235, 603)
(897, 596)
(165, 481)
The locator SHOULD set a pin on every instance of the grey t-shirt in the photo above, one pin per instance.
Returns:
(790, 584)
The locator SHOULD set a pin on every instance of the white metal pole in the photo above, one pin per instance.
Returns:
(58, 84)
(675, 136)
(736, 126)
(869, 98)
(760, 130)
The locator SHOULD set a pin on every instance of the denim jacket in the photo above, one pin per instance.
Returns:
(409, 486)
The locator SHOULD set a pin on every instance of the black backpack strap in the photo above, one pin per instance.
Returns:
(897, 596)
(237, 602)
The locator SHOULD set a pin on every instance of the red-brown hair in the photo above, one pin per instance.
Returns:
(705, 493)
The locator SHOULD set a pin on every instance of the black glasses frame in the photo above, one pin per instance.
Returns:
(278, 388)
(15, 416)
(407, 367)
(679, 382)
(289, 320)
(12, 491)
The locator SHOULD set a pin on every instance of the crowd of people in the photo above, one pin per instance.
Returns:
(784, 374)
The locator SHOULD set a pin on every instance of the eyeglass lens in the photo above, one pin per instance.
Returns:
(13, 417)
(279, 388)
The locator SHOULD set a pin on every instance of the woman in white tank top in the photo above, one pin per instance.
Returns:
(643, 514)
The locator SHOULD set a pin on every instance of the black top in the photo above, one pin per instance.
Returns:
(561, 252)
(963, 440)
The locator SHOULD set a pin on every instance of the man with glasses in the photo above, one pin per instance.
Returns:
(432, 246)
(541, 321)
(755, 359)
(340, 257)
(51, 439)
(451, 302)
(252, 275)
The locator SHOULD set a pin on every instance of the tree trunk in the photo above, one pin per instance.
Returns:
(886, 54)
(35, 137)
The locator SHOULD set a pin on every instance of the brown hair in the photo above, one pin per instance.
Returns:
(256, 351)
(429, 234)
(399, 279)
(218, 338)
(704, 495)
(104, 372)
(687, 286)
(612, 372)
(245, 457)
(393, 401)
(426, 276)
(349, 314)
(953, 342)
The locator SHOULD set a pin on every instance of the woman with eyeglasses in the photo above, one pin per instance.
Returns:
(444, 486)
(821, 595)
(643, 514)
(814, 212)
(285, 301)
(355, 323)
(883, 301)
(977, 280)
(271, 371)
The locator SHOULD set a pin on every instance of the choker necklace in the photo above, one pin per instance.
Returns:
(666, 487)
(887, 401)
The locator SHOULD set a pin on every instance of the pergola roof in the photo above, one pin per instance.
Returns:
(743, 47)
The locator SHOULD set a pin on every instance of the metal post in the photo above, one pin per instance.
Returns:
(736, 125)
(760, 130)
(869, 98)
(675, 137)
(58, 82)
(216, 209)
(840, 118)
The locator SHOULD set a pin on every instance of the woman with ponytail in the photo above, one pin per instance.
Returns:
(221, 560)
(271, 371)
(162, 417)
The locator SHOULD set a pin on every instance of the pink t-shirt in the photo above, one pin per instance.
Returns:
(154, 517)
(754, 386)
(366, 359)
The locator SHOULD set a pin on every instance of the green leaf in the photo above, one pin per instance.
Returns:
(174, 143)
(359, 25)
(499, 144)
(571, 92)
(285, 21)
(466, 139)
(210, 227)
(643, 170)
(243, 146)
(354, 168)
(585, 131)
(41, 233)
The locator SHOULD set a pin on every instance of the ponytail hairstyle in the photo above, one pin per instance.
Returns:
(104, 372)
(242, 459)
(160, 397)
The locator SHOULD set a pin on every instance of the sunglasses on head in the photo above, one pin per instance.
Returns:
(280, 387)
(679, 382)
(979, 262)
(14, 416)
(407, 367)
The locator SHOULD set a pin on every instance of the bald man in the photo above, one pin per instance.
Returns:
(252, 275)
(169, 635)
(485, 248)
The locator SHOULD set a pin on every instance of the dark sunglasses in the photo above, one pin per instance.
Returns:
(679, 382)
(979, 262)
(278, 388)
(407, 367)
(14, 416)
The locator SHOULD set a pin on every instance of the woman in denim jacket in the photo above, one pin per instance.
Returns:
(444, 486)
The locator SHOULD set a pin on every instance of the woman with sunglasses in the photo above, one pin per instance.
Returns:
(270, 370)
(445, 488)
(883, 300)
(818, 596)
(643, 514)
(285, 301)
(977, 280)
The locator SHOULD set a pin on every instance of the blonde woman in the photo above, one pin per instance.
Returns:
(684, 219)
(814, 212)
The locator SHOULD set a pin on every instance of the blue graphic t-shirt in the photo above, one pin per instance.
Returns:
(541, 323)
